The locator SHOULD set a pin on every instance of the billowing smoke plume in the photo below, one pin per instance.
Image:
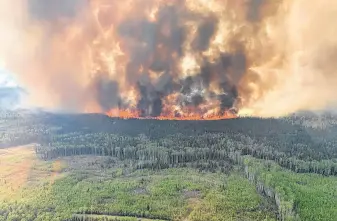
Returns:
(173, 57)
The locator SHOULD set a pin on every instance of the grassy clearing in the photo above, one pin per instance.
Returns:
(15, 164)
(20, 168)
(59, 189)
(314, 197)
(142, 193)
(173, 194)
(112, 218)
(237, 200)
(23, 177)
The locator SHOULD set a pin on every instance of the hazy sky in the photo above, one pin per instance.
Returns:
(10, 92)
(6, 78)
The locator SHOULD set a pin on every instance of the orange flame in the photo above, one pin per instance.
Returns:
(134, 114)
(122, 56)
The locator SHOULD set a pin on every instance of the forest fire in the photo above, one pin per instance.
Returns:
(157, 59)
(164, 63)
(173, 59)
(198, 59)
(134, 114)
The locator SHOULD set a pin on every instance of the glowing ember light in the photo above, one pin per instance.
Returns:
(130, 114)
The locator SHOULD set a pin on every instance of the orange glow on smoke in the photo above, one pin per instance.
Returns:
(162, 59)
(172, 59)
(134, 114)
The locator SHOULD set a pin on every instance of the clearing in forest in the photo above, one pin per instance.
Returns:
(20, 167)
(113, 218)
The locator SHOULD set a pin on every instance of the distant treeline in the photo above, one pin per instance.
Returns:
(206, 151)
(156, 143)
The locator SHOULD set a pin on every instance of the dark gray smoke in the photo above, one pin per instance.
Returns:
(54, 9)
(254, 9)
(59, 43)
(206, 30)
(144, 36)
(107, 93)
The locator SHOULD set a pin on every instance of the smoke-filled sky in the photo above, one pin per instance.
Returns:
(173, 57)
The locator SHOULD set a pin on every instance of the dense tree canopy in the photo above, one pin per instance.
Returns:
(261, 148)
